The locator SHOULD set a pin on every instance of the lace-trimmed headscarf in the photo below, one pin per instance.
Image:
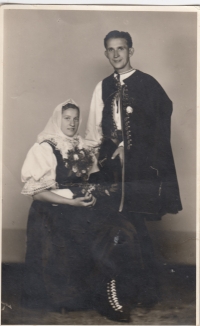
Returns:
(53, 133)
(52, 130)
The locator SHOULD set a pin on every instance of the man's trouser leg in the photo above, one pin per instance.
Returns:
(150, 280)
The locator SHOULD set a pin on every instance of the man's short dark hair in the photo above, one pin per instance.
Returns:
(117, 34)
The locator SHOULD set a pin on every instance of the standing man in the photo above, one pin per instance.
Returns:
(129, 122)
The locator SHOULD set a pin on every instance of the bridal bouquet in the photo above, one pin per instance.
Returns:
(79, 161)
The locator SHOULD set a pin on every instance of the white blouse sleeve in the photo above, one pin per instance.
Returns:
(93, 133)
(39, 169)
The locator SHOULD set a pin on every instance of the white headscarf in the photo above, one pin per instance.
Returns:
(52, 130)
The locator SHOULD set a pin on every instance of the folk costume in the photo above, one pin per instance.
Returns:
(137, 111)
(132, 110)
(77, 257)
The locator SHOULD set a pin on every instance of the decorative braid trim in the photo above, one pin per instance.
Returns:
(112, 108)
(112, 296)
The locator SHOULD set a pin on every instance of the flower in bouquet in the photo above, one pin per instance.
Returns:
(74, 169)
(82, 153)
(76, 158)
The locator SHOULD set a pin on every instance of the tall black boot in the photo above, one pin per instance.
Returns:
(109, 304)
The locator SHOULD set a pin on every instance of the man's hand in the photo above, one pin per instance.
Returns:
(119, 151)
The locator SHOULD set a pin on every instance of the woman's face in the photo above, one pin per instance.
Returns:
(70, 122)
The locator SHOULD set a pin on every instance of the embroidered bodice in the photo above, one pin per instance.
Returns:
(64, 177)
(45, 166)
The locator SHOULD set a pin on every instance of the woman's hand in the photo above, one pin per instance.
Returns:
(87, 201)
(48, 196)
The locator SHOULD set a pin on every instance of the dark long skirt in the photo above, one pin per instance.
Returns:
(73, 252)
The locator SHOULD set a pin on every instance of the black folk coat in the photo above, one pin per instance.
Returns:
(149, 181)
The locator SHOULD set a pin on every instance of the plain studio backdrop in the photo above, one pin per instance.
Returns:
(53, 55)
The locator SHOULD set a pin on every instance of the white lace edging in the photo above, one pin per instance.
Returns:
(66, 144)
(33, 187)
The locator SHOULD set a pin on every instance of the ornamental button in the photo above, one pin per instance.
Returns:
(129, 109)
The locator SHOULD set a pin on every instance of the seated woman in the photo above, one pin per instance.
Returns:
(78, 254)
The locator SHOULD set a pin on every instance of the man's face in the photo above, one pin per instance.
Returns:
(118, 53)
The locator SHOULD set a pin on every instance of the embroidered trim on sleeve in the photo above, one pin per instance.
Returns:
(33, 187)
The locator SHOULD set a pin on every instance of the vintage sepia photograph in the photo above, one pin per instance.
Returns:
(99, 217)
